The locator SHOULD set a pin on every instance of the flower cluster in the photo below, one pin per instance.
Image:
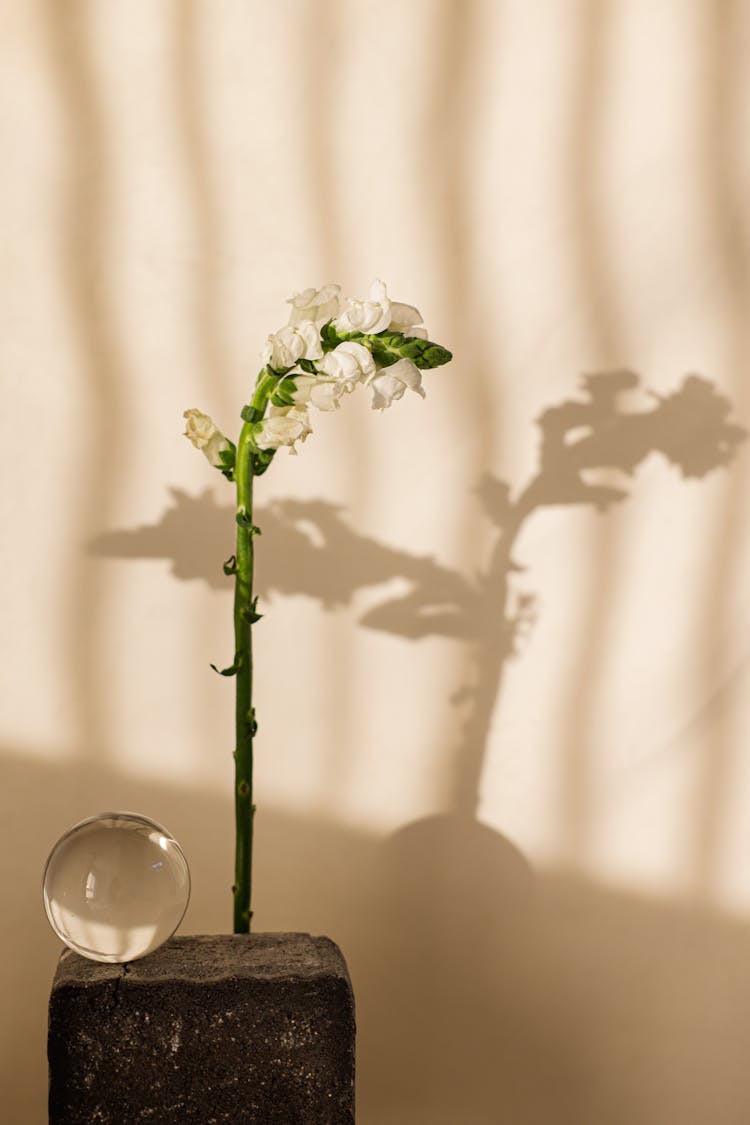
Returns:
(327, 349)
(330, 346)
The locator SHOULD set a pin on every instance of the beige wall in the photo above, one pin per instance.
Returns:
(529, 828)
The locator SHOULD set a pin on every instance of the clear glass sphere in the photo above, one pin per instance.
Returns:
(116, 887)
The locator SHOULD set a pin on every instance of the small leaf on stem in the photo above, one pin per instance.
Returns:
(244, 520)
(232, 670)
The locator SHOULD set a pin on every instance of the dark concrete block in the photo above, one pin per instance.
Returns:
(230, 1029)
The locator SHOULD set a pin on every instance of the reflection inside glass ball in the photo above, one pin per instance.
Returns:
(116, 887)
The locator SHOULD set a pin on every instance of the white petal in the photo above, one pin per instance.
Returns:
(408, 373)
(406, 315)
(310, 337)
(303, 299)
(360, 354)
(378, 291)
(325, 395)
(283, 426)
(215, 446)
(391, 382)
(341, 365)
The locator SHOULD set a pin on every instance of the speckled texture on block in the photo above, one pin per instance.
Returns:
(209, 1030)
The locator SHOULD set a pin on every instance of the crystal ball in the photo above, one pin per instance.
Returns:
(116, 887)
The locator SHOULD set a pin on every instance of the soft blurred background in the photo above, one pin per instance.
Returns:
(502, 680)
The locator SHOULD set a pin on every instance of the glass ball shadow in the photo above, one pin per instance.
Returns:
(116, 887)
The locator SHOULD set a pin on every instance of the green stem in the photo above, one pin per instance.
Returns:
(244, 712)
(245, 724)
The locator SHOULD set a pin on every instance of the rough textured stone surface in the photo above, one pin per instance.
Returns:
(206, 1029)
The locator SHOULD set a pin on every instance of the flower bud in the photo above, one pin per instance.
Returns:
(205, 435)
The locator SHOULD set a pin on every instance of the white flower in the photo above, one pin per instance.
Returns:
(348, 364)
(205, 435)
(283, 426)
(292, 343)
(318, 305)
(372, 315)
(323, 393)
(405, 318)
(391, 382)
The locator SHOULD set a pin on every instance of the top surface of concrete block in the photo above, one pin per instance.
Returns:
(265, 956)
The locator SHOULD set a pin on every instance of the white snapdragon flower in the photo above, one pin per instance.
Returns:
(292, 343)
(371, 316)
(283, 426)
(348, 364)
(391, 382)
(405, 318)
(322, 393)
(318, 305)
(205, 435)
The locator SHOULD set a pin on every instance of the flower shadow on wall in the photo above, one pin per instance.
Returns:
(309, 548)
